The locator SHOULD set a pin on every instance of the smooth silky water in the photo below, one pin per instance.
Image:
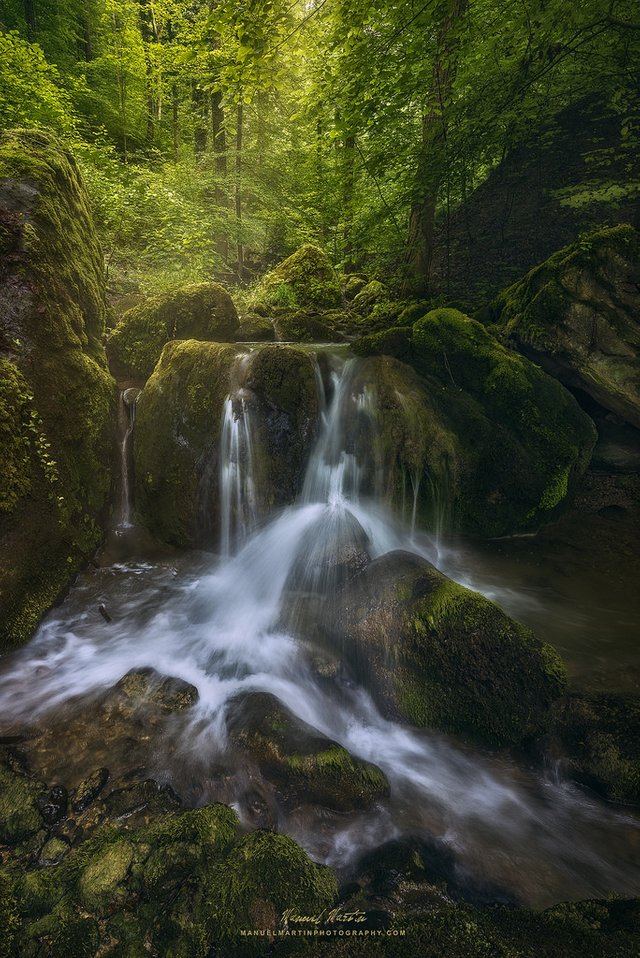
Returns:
(230, 624)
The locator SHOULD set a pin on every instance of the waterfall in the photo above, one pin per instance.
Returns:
(127, 417)
(249, 622)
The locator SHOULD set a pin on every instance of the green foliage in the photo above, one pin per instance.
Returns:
(30, 87)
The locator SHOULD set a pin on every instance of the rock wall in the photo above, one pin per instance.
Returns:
(57, 398)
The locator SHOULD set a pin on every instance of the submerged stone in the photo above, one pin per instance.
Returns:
(200, 311)
(440, 656)
(305, 766)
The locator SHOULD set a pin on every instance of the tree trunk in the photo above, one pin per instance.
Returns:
(219, 141)
(348, 187)
(238, 193)
(30, 17)
(432, 161)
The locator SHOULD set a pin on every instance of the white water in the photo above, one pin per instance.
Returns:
(221, 629)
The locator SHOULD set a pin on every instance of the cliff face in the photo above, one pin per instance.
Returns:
(57, 397)
(573, 176)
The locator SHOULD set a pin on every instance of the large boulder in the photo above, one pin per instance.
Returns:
(440, 656)
(577, 315)
(176, 439)
(492, 444)
(57, 398)
(178, 432)
(304, 279)
(202, 311)
(305, 766)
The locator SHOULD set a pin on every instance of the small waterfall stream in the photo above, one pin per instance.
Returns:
(127, 418)
(235, 625)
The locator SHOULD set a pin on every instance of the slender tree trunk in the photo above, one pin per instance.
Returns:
(238, 193)
(86, 43)
(219, 141)
(348, 174)
(150, 35)
(200, 131)
(432, 161)
(30, 17)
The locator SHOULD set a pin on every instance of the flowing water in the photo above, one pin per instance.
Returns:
(232, 624)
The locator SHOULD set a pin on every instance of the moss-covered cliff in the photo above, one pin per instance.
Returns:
(57, 398)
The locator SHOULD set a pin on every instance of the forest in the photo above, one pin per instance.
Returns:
(319, 478)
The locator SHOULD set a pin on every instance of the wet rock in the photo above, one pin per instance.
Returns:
(493, 444)
(148, 686)
(176, 439)
(57, 397)
(577, 315)
(100, 885)
(198, 311)
(89, 789)
(304, 765)
(437, 655)
(335, 550)
(53, 805)
(596, 740)
(53, 851)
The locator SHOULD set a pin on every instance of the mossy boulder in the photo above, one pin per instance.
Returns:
(511, 443)
(176, 440)
(305, 766)
(304, 327)
(57, 398)
(373, 294)
(596, 737)
(264, 876)
(440, 656)
(202, 311)
(254, 328)
(353, 284)
(577, 315)
(306, 279)
(178, 431)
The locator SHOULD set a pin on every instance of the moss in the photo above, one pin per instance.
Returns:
(19, 816)
(98, 884)
(57, 402)
(372, 294)
(255, 329)
(394, 342)
(178, 419)
(262, 877)
(10, 920)
(305, 279)
(576, 313)
(201, 311)
(441, 656)
(524, 441)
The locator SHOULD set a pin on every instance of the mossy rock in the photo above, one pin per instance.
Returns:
(305, 279)
(303, 327)
(440, 656)
(265, 875)
(57, 398)
(353, 284)
(577, 315)
(202, 311)
(255, 329)
(100, 881)
(167, 692)
(597, 739)
(19, 815)
(305, 766)
(373, 294)
(511, 443)
(176, 440)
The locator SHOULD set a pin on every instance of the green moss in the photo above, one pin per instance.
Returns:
(19, 816)
(98, 884)
(262, 877)
(441, 656)
(300, 327)
(305, 279)
(255, 329)
(201, 311)
(57, 401)
(372, 294)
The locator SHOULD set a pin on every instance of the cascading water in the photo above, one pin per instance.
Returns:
(241, 626)
(128, 399)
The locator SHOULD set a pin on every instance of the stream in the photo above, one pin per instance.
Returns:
(235, 622)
